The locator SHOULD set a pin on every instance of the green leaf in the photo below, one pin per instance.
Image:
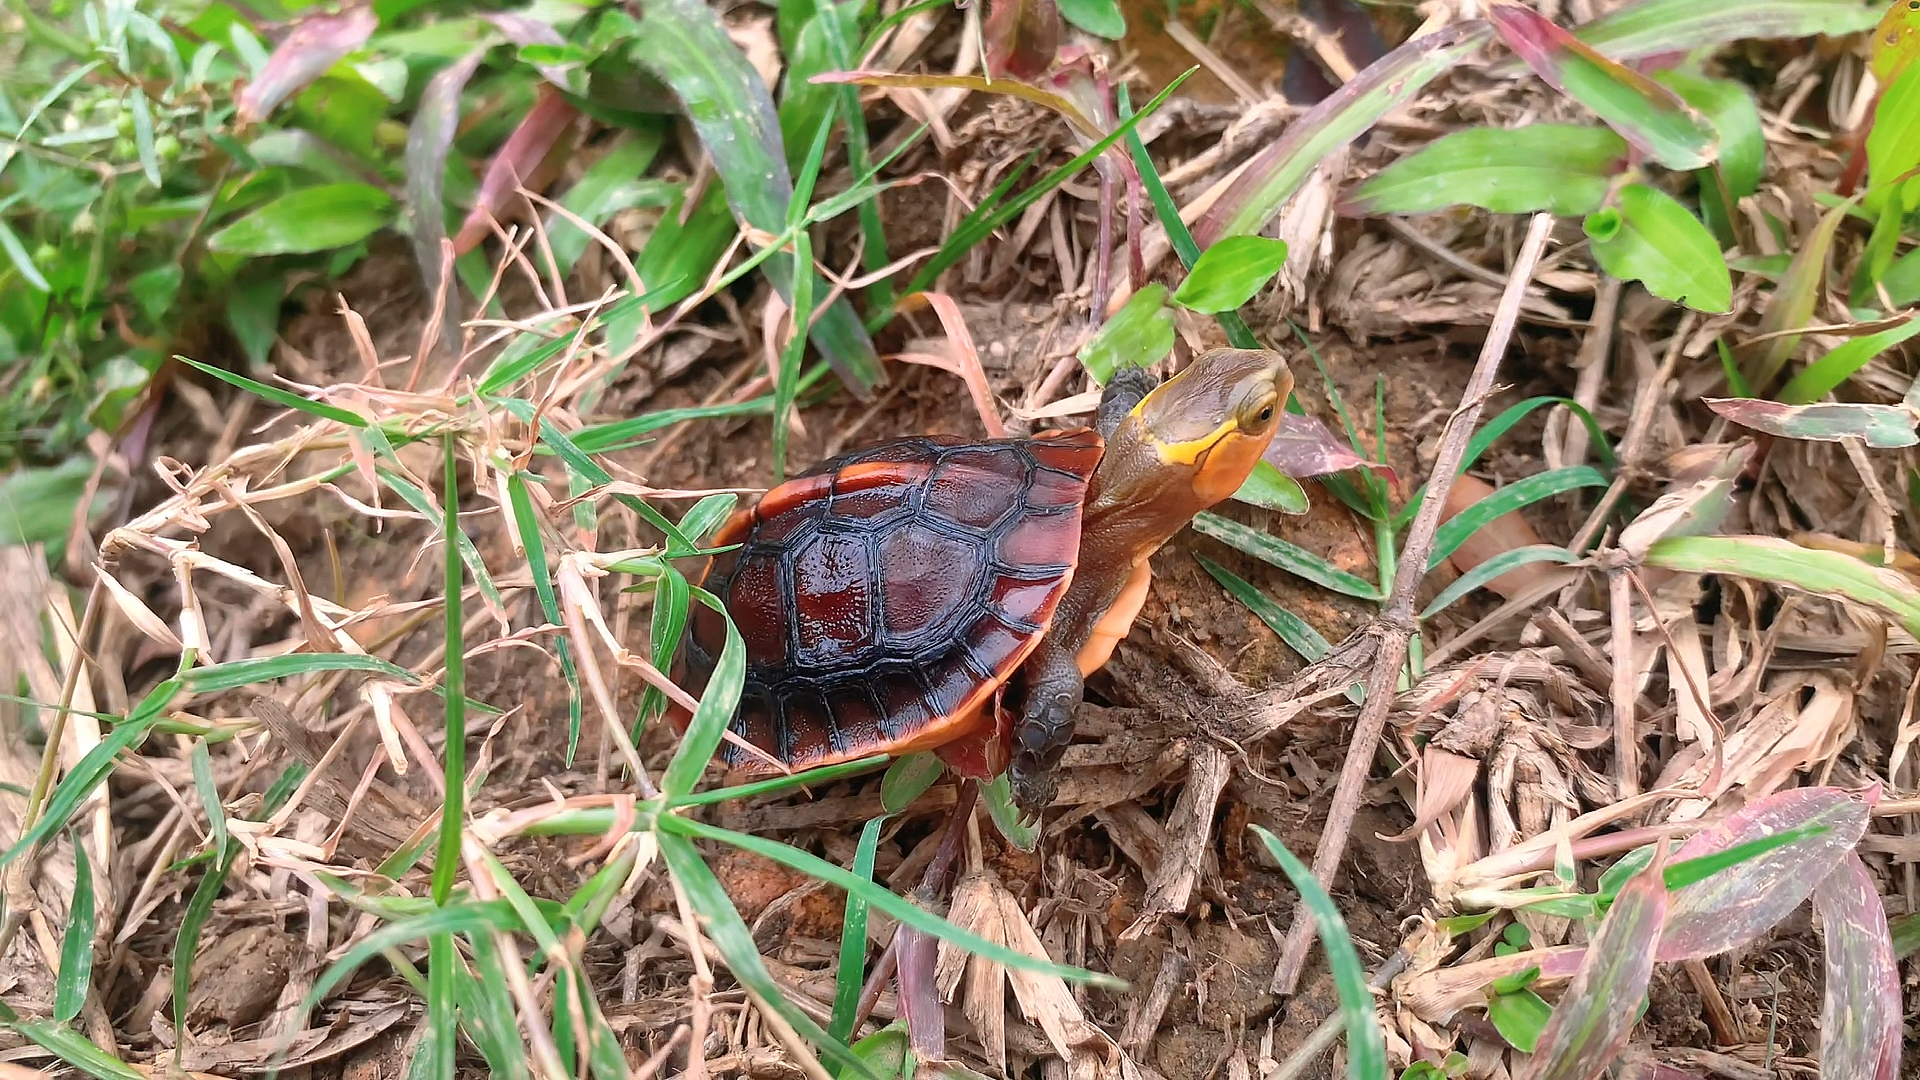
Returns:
(74, 1049)
(201, 764)
(1521, 493)
(1101, 18)
(1493, 568)
(1294, 630)
(312, 219)
(1784, 563)
(1729, 106)
(895, 907)
(237, 673)
(1140, 334)
(76, 940)
(1825, 375)
(614, 183)
(278, 396)
(1520, 1017)
(1230, 272)
(1273, 175)
(1268, 487)
(848, 976)
(1893, 143)
(686, 47)
(1366, 1046)
(155, 289)
(1652, 239)
(775, 784)
(1595, 1015)
(37, 504)
(1007, 819)
(1292, 558)
(710, 719)
(528, 524)
(722, 923)
(1906, 935)
(1558, 168)
(1883, 427)
(1651, 116)
(453, 817)
(1653, 27)
(23, 262)
(908, 778)
(434, 1058)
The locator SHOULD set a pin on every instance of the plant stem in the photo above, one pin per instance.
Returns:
(1396, 625)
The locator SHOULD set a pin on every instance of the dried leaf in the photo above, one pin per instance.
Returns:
(317, 42)
(1860, 1011)
(1046, 99)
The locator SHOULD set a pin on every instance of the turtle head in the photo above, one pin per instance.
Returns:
(1196, 438)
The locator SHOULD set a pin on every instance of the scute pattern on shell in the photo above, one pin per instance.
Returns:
(883, 592)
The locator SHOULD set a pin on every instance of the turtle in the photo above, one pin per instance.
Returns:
(940, 593)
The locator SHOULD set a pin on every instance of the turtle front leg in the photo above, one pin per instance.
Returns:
(1128, 387)
(1045, 727)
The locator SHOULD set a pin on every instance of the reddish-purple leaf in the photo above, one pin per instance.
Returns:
(1022, 37)
(1882, 427)
(1590, 1026)
(1646, 113)
(514, 163)
(428, 140)
(920, 995)
(1860, 1012)
(1304, 447)
(1747, 899)
(316, 44)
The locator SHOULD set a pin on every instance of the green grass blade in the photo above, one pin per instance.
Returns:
(774, 785)
(1299, 635)
(623, 434)
(1825, 375)
(458, 540)
(1292, 558)
(186, 943)
(467, 918)
(895, 907)
(721, 921)
(201, 762)
(590, 471)
(278, 396)
(76, 941)
(71, 1047)
(717, 704)
(1493, 568)
(706, 515)
(851, 972)
(528, 523)
(236, 673)
(908, 777)
(446, 860)
(487, 1013)
(1366, 1047)
(92, 770)
(1448, 538)
(434, 1058)
(971, 233)
(1013, 827)
(669, 621)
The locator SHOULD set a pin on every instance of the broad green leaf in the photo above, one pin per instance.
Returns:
(907, 778)
(22, 261)
(1883, 427)
(76, 939)
(311, 219)
(1366, 1046)
(1287, 556)
(1729, 106)
(1824, 375)
(1792, 303)
(684, 44)
(1893, 144)
(1649, 115)
(1230, 272)
(1493, 568)
(1140, 334)
(1558, 168)
(1896, 41)
(1101, 18)
(1784, 563)
(1007, 819)
(1274, 174)
(1268, 487)
(1650, 238)
(1520, 1017)
(1654, 27)
(616, 182)
(37, 503)
(716, 708)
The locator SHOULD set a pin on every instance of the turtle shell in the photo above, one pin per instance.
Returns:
(883, 596)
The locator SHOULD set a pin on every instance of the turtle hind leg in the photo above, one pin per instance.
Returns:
(1041, 734)
(1126, 389)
